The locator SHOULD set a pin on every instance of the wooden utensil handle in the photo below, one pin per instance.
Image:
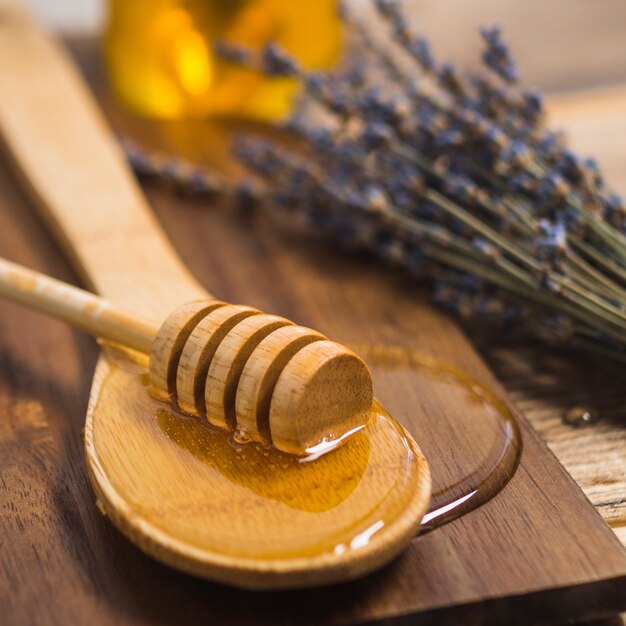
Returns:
(74, 170)
(85, 310)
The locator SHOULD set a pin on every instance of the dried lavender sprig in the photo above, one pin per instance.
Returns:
(483, 309)
(497, 240)
(453, 176)
(391, 11)
(504, 274)
(187, 178)
(169, 169)
(280, 164)
(578, 284)
(277, 55)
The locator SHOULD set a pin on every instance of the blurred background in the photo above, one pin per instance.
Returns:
(560, 44)
(563, 47)
(71, 15)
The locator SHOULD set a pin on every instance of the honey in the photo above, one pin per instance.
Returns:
(485, 430)
(215, 489)
(161, 60)
(333, 500)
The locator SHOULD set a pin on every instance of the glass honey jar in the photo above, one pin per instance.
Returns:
(161, 62)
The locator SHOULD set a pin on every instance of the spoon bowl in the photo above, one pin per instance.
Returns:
(240, 513)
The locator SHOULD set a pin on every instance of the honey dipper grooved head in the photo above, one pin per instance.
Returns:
(199, 351)
(260, 374)
(228, 363)
(280, 383)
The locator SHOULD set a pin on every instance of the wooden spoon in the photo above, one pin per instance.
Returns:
(299, 391)
(195, 497)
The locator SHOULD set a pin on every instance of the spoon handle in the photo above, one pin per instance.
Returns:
(85, 310)
(73, 169)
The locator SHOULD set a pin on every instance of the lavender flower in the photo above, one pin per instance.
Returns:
(451, 176)
(497, 56)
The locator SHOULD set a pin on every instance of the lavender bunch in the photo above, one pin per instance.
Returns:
(454, 177)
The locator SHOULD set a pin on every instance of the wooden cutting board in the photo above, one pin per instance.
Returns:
(538, 552)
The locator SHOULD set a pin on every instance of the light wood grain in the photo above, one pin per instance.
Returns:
(199, 351)
(335, 400)
(545, 384)
(227, 365)
(260, 375)
(170, 341)
(80, 308)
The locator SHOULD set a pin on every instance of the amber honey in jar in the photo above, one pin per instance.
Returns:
(161, 62)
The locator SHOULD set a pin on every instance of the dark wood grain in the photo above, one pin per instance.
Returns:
(538, 552)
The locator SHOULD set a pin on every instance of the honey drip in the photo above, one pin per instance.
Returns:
(483, 429)
(333, 501)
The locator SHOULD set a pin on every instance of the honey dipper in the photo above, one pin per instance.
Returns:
(246, 515)
(275, 382)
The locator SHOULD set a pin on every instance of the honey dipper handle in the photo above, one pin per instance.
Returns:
(75, 172)
(80, 308)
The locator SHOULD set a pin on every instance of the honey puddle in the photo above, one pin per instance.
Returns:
(200, 485)
(473, 451)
